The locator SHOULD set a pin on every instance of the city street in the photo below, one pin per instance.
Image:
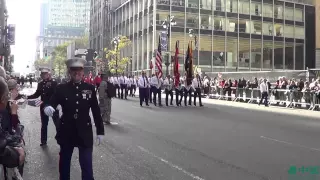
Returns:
(221, 141)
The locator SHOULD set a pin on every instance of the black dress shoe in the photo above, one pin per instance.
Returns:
(201, 105)
(43, 144)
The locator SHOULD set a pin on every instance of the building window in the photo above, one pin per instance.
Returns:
(278, 11)
(298, 15)
(267, 10)
(289, 13)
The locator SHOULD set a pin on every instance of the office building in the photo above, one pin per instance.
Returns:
(230, 35)
(61, 22)
(5, 49)
(100, 23)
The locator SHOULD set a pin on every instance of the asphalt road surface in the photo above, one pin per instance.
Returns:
(215, 142)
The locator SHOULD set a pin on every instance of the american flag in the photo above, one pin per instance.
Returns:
(159, 60)
(35, 102)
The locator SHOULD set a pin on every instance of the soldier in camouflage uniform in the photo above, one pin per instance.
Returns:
(105, 101)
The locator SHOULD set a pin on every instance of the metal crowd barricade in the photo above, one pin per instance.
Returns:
(286, 97)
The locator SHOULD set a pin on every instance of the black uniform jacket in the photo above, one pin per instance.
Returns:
(75, 128)
(45, 89)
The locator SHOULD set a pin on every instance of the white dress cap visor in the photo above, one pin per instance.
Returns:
(76, 62)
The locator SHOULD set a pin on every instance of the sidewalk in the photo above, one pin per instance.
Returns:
(273, 109)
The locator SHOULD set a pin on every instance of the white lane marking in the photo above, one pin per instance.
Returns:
(171, 165)
(114, 123)
(289, 143)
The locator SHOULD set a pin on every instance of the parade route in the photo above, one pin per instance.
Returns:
(215, 142)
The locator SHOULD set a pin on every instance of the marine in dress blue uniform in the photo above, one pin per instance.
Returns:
(45, 90)
(76, 99)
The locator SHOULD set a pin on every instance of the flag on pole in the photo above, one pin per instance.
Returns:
(176, 65)
(188, 65)
(35, 102)
(159, 59)
(151, 64)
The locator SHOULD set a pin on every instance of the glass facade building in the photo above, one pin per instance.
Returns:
(231, 35)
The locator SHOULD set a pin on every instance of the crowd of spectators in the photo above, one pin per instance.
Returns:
(297, 92)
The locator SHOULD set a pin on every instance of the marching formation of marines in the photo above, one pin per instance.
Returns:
(150, 89)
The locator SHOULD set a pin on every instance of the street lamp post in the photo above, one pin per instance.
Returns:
(167, 24)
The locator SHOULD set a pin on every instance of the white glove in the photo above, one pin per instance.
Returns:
(49, 110)
(99, 139)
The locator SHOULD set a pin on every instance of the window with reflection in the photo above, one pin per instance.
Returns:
(192, 20)
(299, 32)
(219, 5)
(289, 13)
(164, 2)
(146, 3)
(278, 11)
(232, 53)
(206, 4)
(219, 24)
(268, 10)
(219, 54)
(255, 9)
(257, 27)
(267, 55)
(177, 3)
(244, 7)
(205, 52)
(145, 21)
(244, 26)
(178, 18)
(289, 55)
(278, 29)
(206, 21)
(150, 19)
(298, 14)
(232, 25)
(278, 55)
(267, 28)
(140, 23)
(244, 53)
(256, 57)
(289, 31)
(192, 3)
(232, 6)
(130, 11)
(140, 5)
(145, 52)
(135, 26)
(135, 8)
(299, 56)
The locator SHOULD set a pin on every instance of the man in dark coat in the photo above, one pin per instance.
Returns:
(75, 130)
